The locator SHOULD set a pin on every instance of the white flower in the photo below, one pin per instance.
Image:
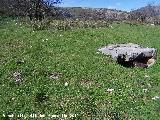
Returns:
(145, 90)
(13, 98)
(155, 98)
(42, 116)
(66, 84)
(60, 35)
(11, 116)
(149, 85)
(64, 116)
(98, 52)
(54, 116)
(110, 90)
(111, 26)
(146, 76)
(46, 39)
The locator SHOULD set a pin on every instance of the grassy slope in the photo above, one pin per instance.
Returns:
(73, 53)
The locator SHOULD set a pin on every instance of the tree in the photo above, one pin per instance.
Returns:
(32, 8)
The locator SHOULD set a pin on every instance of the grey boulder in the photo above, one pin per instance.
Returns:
(130, 55)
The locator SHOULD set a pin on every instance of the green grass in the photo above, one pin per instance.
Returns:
(89, 75)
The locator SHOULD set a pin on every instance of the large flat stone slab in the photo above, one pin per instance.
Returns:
(130, 54)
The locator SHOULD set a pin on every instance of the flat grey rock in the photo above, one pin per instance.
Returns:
(129, 53)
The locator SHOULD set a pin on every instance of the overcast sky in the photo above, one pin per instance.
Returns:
(115, 4)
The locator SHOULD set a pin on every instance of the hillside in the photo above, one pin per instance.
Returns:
(148, 14)
(56, 72)
(149, 11)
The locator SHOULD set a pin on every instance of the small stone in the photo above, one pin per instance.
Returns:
(150, 62)
(55, 75)
(18, 80)
(20, 61)
(17, 74)
(17, 77)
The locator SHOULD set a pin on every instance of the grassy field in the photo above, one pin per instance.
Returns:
(56, 72)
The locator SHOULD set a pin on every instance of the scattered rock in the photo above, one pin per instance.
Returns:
(87, 83)
(20, 62)
(17, 77)
(150, 62)
(55, 75)
(152, 24)
(130, 55)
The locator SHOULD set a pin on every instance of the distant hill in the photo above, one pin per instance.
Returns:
(149, 10)
(93, 13)
(148, 14)
(143, 14)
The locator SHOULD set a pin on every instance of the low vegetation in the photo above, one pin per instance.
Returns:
(56, 72)
(66, 24)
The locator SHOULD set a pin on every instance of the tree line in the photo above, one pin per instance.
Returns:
(39, 9)
(34, 9)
